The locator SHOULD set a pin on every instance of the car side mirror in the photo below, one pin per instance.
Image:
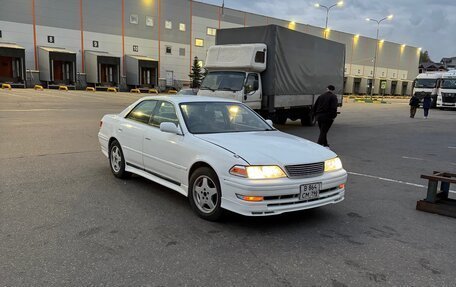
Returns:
(168, 127)
(270, 123)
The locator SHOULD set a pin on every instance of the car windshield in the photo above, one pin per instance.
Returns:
(425, 83)
(221, 117)
(225, 81)
(449, 84)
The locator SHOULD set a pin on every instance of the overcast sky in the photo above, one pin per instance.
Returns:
(429, 24)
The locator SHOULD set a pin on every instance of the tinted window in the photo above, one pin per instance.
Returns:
(142, 112)
(164, 113)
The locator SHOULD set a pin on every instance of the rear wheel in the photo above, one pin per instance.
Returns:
(117, 160)
(205, 195)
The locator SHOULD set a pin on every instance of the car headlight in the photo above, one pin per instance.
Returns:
(258, 171)
(333, 164)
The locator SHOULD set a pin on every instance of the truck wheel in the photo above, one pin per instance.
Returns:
(308, 119)
(279, 118)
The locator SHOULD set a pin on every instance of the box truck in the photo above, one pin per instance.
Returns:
(276, 71)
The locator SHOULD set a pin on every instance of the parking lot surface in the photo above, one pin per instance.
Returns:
(65, 220)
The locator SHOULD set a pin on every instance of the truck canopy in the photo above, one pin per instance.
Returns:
(297, 63)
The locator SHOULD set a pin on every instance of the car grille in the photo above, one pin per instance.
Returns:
(448, 98)
(305, 170)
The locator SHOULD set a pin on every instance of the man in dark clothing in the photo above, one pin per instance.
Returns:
(325, 111)
(414, 104)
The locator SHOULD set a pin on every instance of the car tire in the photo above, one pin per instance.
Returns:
(117, 160)
(205, 195)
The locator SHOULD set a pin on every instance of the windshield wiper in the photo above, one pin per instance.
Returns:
(227, 89)
(207, 88)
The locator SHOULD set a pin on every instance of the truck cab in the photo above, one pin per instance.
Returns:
(446, 93)
(427, 84)
(234, 72)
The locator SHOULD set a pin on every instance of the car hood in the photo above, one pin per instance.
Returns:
(270, 147)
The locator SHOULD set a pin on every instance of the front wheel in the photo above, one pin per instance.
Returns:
(205, 194)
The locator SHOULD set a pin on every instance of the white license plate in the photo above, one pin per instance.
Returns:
(309, 191)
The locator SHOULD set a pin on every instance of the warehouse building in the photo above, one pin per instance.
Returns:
(150, 43)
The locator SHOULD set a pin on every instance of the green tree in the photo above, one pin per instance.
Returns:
(196, 74)
(424, 57)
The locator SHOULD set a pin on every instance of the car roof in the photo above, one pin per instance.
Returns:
(177, 99)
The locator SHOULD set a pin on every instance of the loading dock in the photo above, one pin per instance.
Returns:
(57, 67)
(102, 70)
(12, 65)
(142, 72)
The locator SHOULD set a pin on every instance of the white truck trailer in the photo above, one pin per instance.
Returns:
(276, 71)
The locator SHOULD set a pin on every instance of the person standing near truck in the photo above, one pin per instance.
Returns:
(325, 111)
(426, 105)
(414, 104)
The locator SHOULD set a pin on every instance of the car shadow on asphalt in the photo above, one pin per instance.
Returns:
(172, 200)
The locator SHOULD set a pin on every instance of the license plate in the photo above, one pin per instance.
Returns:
(309, 191)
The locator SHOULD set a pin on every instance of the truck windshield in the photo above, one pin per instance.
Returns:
(425, 83)
(449, 84)
(221, 117)
(224, 81)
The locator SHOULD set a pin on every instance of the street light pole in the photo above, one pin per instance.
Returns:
(376, 49)
(317, 5)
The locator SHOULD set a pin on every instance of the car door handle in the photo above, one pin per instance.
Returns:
(119, 129)
(147, 139)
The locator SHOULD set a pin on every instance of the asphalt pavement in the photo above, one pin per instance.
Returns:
(65, 220)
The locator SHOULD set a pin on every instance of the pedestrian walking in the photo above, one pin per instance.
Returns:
(427, 100)
(414, 104)
(325, 111)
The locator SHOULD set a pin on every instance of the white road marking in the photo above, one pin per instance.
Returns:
(34, 110)
(415, 158)
(453, 147)
(392, 180)
(387, 179)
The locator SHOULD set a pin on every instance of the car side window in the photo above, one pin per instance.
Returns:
(142, 112)
(165, 112)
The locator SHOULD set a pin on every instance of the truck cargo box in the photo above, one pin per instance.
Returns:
(299, 66)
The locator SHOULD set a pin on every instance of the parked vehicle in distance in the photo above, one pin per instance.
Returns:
(427, 84)
(188, 92)
(222, 155)
(446, 93)
(276, 71)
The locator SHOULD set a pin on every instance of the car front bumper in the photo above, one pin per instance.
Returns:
(280, 195)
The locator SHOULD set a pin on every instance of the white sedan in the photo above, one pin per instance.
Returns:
(221, 155)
